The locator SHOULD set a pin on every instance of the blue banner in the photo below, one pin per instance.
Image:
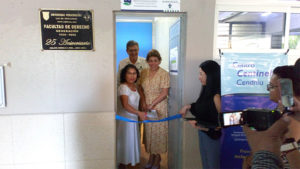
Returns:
(247, 72)
(244, 79)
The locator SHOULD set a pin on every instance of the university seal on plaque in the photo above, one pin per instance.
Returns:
(45, 15)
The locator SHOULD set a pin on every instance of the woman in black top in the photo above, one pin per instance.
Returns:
(206, 110)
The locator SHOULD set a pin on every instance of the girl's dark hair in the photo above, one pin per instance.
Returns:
(213, 78)
(124, 71)
(288, 72)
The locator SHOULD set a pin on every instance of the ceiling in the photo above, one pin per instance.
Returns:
(227, 17)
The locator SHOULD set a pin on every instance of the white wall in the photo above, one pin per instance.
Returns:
(199, 41)
(161, 31)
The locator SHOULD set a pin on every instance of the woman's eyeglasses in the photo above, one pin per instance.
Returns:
(270, 86)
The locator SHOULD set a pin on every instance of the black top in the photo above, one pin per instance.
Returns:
(205, 111)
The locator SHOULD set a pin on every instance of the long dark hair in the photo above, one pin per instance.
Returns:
(213, 79)
(124, 71)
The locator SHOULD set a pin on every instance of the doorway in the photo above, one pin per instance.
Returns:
(166, 33)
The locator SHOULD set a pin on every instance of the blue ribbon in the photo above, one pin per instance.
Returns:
(177, 116)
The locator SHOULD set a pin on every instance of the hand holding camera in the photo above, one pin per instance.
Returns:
(270, 139)
(262, 119)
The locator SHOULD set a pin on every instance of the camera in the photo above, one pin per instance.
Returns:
(260, 119)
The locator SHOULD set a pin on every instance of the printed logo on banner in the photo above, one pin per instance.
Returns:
(152, 5)
(127, 2)
(244, 79)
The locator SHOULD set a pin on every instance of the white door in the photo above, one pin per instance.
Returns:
(176, 56)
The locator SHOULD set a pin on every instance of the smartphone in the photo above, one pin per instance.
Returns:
(233, 118)
(286, 92)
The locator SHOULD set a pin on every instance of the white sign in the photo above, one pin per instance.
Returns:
(2, 89)
(174, 61)
(152, 5)
(248, 73)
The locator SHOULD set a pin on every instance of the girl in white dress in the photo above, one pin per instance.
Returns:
(128, 137)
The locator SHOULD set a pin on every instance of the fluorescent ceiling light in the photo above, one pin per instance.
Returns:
(266, 14)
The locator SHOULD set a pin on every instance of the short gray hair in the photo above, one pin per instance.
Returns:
(131, 43)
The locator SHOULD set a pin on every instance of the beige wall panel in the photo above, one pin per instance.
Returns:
(91, 164)
(38, 139)
(6, 144)
(199, 47)
(89, 136)
(56, 81)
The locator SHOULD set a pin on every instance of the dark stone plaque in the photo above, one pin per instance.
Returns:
(67, 29)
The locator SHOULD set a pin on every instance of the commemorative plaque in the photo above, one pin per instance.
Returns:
(67, 29)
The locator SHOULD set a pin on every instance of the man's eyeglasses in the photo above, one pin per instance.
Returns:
(270, 86)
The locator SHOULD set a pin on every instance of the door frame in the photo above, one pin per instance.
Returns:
(181, 65)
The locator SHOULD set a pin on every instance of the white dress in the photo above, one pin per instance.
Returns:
(128, 136)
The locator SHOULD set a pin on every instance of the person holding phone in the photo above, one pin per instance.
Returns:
(275, 94)
(296, 107)
(293, 157)
(206, 109)
(276, 90)
(284, 129)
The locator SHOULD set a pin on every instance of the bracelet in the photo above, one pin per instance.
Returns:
(289, 145)
(284, 153)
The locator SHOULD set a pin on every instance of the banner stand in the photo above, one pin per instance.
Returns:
(244, 79)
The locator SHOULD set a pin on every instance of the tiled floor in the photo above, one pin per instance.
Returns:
(144, 159)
